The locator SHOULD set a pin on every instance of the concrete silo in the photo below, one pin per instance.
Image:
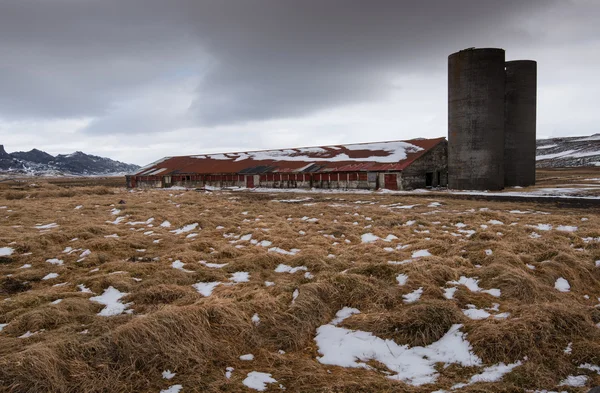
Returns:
(476, 81)
(520, 123)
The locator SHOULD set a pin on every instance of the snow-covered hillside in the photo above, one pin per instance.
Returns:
(36, 162)
(568, 152)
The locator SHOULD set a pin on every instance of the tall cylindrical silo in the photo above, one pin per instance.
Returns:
(520, 123)
(476, 119)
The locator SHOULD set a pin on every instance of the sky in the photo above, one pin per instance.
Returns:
(136, 80)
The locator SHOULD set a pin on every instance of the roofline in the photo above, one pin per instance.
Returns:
(311, 147)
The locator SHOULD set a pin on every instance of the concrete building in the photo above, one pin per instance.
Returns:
(394, 165)
(476, 119)
(519, 123)
(491, 120)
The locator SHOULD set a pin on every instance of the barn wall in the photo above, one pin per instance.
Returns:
(434, 161)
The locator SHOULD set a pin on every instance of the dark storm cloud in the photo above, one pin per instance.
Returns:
(251, 59)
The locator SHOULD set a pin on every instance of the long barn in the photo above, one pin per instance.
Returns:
(393, 165)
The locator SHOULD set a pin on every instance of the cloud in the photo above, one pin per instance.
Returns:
(140, 76)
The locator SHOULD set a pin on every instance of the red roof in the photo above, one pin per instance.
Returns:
(376, 156)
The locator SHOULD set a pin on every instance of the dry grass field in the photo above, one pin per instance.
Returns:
(431, 294)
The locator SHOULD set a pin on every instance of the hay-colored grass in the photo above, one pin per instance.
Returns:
(172, 326)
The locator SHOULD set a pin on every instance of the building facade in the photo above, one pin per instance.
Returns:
(394, 165)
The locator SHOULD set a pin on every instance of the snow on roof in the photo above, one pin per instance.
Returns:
(393, 155)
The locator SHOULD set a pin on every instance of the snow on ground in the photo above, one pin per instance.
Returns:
(205, 288)
(6, 251)
(55, 261)
(179, 265)
(247, 357)
(472, 283)
(449, 292)
(167, 374)
(416, 366)
(111, 299)
(421, 253)
(172, 389)
(255, 319)
(343, 314)
(213, 265)
(413, 296)
(240, 277)
(84, 289)
(493, 373)
(50, 276)
(46, 226)
(562, 285)
(258, 381)
(278, 250)
(402, 279)
(281, 268)
(185, 229)
(369, 238)
(566, 228)
(574, 381)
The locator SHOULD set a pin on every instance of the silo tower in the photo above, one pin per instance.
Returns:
(476, 87)
(520, 123)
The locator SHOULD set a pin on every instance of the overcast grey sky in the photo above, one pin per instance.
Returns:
(136, 80)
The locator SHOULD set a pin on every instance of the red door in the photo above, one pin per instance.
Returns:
(391, 181)
(250, 181)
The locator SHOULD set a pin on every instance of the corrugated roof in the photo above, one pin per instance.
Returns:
(377, 156)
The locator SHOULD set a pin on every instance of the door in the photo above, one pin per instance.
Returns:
(250, 181)
(428, 179)
(391, 181)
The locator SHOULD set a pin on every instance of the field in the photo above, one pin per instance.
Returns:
(188, 291)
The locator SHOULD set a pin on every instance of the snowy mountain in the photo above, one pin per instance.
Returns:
(37, 162)
(568, 152)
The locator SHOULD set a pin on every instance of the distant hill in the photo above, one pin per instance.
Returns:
(568, 152)
(37, 162)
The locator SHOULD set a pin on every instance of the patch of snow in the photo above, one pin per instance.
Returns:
(562, 285)
(205, 288)
(213, 265)
(258, 381)
(293, 251)
(240, 277)
(369, 238)
(185, 229)
(449, 292)
(55, 261)
(256, 319)
(566, 228)
(473, 285)
(167, 374)
(50, 276)
(6, 251)
(281, 268)
(46, 226)
(413, 296)
(172, 389)
(343, 314)
(247, 357)
(421, 253)
(111, 299)
(402, 279)
(414, 366)
(576, 381)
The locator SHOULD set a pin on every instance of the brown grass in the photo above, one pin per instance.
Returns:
(174, 327)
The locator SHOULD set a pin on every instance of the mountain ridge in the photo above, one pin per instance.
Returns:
(36, 162)
(568, 152)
